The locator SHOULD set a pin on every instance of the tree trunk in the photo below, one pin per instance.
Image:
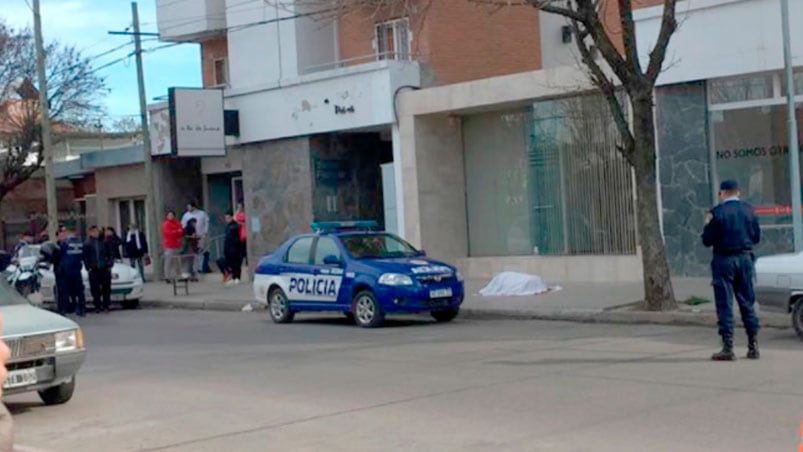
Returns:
(658, 293)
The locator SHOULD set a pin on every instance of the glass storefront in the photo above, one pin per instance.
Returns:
(547, 179)
(749, 141)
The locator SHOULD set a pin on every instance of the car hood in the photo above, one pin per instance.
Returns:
(22, 319)
(411, 265)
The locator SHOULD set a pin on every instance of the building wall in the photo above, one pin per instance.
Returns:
(684, 172)
(456, 40)
(442, 186)
(212, 50)
(114, 183)
(278, 191)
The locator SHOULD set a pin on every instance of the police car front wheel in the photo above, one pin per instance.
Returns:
(366, 309)
(279, 308)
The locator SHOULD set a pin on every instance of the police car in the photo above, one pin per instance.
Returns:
(353, 268)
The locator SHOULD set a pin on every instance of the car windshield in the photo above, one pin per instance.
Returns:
(9, 296)
(29, 251)
(366, 246)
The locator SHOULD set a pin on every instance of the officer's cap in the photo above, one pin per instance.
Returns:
(729, 185)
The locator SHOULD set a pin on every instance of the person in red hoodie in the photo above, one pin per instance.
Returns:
(172, 240)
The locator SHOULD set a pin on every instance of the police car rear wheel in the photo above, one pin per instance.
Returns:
(797, 318)
(447, 315)
(279, 309)
(367, 313)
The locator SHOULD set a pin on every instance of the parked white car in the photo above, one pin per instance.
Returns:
(779, 286)
(127, 286)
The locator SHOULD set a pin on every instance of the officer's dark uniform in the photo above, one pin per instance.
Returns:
(732, 231)
(72, 251)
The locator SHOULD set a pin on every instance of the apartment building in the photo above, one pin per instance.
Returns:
(317, 99)
(537, 184)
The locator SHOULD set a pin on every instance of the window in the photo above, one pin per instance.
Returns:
(367, 246)
(326, 247)
(547, 180)
(299, 252)
(750, 141)
(221, 67)
(131, 211)
(393, 40)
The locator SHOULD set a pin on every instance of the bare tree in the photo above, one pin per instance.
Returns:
(74, 92)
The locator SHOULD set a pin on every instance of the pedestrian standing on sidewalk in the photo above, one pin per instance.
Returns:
(136, 248)
(201, 229)
(732, 229)
(232, 249)
(239, 217)
(189, 251)
(98, 261)
(172, 241)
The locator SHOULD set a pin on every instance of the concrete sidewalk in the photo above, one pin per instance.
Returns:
(583, 302)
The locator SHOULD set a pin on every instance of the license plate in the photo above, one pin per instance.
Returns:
(440, 293)
(19, 378)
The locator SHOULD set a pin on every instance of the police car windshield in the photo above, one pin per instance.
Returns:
(9, 296)
(373, 246)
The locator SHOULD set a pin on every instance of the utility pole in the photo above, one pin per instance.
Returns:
(46, 146)
(150, 201)
(794, 146)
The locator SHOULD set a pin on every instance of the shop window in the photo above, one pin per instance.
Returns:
(750, 145)
(393, 40)
(547, 180)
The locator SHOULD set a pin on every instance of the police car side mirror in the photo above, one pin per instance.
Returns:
(331, 260)
(422, 253)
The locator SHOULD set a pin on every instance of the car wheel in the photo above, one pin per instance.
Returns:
(446, 315)
(797, 318)
(366, 310)
(129, 304)
(279, 307)
(58, 394)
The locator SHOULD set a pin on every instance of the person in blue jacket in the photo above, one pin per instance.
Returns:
(72, 251)
(732, 230)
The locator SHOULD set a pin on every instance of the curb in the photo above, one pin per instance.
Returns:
(768, 320)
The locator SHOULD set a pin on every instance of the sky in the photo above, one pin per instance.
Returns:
(85, 24)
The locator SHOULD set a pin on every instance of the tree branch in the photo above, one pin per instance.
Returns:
(629, 35)
(658, 54)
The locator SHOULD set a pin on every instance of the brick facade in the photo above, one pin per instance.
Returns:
(212, 50)
(456, 40)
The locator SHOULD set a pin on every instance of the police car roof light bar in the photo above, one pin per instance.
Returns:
(332, 226)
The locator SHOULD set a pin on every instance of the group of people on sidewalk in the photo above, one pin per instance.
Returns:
(186, 244)
(103, 247)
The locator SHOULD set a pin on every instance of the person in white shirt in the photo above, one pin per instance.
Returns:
(201, 229)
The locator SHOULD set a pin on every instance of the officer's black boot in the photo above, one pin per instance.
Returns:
(752, 348)
(727, 351)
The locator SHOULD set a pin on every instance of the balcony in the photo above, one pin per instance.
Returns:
(190, 20)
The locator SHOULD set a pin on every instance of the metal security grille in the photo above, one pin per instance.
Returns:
(581, 187)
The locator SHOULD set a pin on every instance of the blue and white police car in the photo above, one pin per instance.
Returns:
(353, 268)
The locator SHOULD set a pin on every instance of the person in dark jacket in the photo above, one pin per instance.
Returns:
(113, 242)
(190, 250)
(732, 230)
(70, 265)
(233, 249)
(98, 259)
(135, 248)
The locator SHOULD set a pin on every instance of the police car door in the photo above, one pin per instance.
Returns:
(329, 270)
(297, 269)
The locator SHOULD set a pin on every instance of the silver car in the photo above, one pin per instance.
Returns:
(46, 349)
(779, 286)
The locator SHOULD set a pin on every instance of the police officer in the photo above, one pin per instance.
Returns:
(732, 230)
(72, 251)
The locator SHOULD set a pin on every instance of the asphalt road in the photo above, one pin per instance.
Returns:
(207, 381)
